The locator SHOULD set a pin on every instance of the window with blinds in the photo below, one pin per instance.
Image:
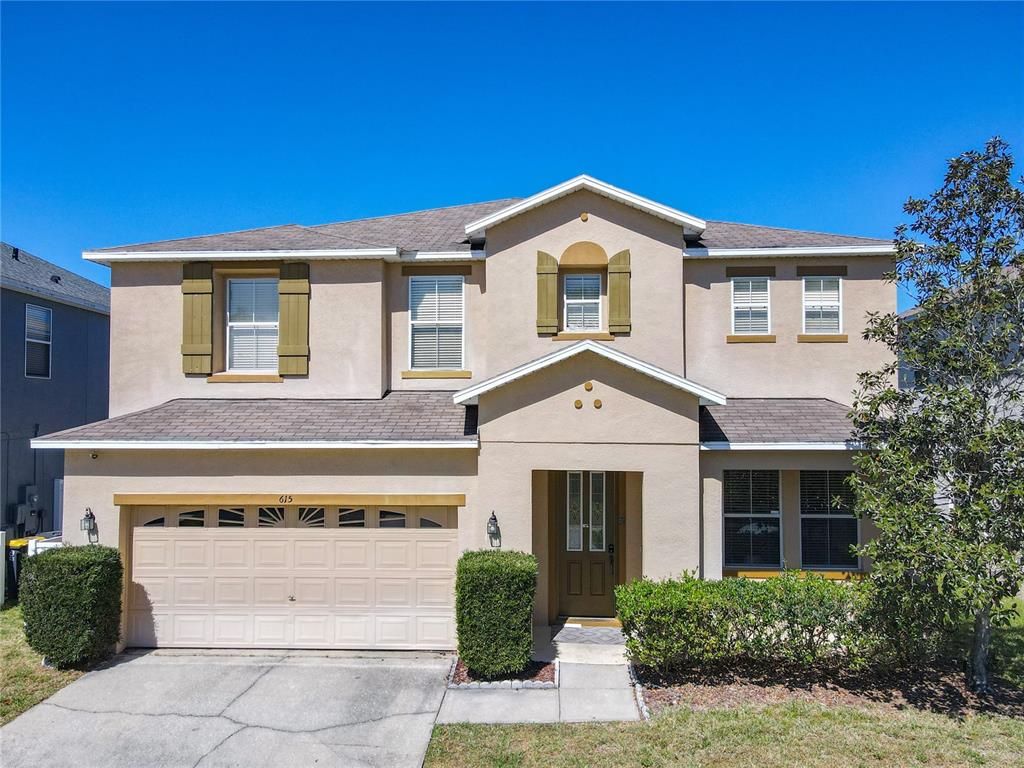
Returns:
(823, 303)
(436, 322)
(38, 341)
(750, 305)
(753, 523)
(828, 529)
(582, 302)
(252, 325)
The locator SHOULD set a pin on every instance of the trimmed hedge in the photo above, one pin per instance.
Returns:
(678, 624)
(494, 593)
(71, 603)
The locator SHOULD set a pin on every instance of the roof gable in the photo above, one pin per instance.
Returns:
(690, 224)
(469, 395)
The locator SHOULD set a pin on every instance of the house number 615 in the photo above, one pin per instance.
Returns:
(284, 499)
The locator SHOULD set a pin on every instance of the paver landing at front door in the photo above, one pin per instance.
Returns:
(206, 710)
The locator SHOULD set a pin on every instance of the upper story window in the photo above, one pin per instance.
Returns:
(38, 341)
(823, 305)
(753, 521)
(751, 306)
(582, 302)
(828, 528)
(436, 320)
(253, 318)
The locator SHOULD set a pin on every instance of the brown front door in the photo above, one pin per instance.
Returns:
(586, 546)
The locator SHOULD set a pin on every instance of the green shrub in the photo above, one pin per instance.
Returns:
(494, 593)
(678, 624)
(71, 603)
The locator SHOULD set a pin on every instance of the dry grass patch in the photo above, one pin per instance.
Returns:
(24, 681)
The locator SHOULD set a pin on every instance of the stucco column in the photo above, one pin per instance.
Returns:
(540, 545)
(671, 525)
(711, 512)
(790, 493)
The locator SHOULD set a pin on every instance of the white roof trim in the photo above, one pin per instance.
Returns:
(690, 224)
(431, 256)
(737, 253)
(211, 445)
(469, 395)
(723, 446)
(108, 257)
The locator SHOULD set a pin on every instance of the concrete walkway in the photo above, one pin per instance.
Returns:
(587, 693)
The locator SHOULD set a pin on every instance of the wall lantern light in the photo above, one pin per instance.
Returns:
(493, 531)
(88, 521)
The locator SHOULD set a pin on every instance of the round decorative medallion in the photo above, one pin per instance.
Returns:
(584, 216)
(588, 386)
(578, 404)
(597, 403)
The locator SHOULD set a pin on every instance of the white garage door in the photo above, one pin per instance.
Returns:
(306, 577)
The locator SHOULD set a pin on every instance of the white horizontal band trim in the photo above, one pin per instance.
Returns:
(387, 254)
(469, 394)
(844, 250)
(691, 224)
(212, 445)
(720, 446)
(442, 256)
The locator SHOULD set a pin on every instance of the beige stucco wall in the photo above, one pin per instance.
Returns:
(346, 328)
(785, 368)
(714, 463)
(656, 278)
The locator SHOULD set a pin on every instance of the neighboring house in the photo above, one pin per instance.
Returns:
(310, 423)
(55, 352)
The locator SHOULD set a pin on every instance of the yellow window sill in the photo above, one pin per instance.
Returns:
(582, 336)
(753, 338)
(244, 378)
(822, 338)
(770, 574)
(437, 374)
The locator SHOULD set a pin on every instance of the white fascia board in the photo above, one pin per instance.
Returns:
(722, 446)
(740, 253)
(469, 395)
(227, 445)
(690, 224)
(432, 256)
(104, 257)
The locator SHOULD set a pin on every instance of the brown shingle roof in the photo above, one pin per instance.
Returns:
(775, 420)
(398, 416)
(727, 234)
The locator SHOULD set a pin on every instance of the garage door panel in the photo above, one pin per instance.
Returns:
(292, 587)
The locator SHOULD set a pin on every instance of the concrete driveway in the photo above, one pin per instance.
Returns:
(230, 709)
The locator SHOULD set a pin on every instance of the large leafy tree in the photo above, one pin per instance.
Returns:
(944, 482)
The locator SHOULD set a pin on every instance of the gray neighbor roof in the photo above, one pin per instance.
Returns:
(21, 271)
(423, 416)
(443, 229)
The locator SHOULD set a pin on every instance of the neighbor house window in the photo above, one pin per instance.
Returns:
(828, 529)
(582, 302)
(753, 523)
(823, 304)
(750, 305)
(436, 322)
(252, 325)
(38, 338)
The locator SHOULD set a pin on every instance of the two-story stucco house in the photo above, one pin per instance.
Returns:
(310, 423)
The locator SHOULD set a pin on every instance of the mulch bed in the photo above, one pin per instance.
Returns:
(936, 690)
(536, 671)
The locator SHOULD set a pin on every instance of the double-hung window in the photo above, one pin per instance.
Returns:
(823, 305)
(252, 331)
(436, 322)
(751, 306)
(828, 529)
(582, 302)
(38, 340)
(753, 523)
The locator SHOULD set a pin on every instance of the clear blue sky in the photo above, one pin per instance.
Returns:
(134, 122)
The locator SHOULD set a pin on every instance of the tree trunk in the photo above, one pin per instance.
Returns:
(979, 650)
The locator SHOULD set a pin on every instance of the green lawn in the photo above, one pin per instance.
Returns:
(24, 681)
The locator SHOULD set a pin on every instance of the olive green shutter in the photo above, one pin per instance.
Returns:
(618, 293)
(197, 317)
(547, 293)
(293, 340)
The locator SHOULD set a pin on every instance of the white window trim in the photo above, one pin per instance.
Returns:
(604, 514)
(462, 324)
(49, 344)
(803, 320)
(776, 516)
(568, 485)
(800, 514)
(566, 301)
(768, 304)
(228, 326)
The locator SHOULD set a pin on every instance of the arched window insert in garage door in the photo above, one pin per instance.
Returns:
(385, 517)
